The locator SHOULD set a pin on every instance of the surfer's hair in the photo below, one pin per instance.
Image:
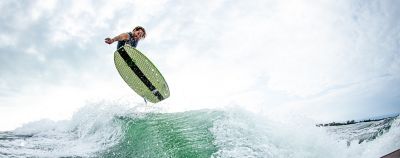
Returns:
(140, 28)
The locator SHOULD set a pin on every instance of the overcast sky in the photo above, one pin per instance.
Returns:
(327, 60)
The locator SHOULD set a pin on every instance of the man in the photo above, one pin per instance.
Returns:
(131, 38)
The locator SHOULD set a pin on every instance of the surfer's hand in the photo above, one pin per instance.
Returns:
(108, 40)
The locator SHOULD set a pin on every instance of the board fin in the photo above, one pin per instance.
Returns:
(145, 101)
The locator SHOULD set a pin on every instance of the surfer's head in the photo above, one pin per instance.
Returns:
(139, 32)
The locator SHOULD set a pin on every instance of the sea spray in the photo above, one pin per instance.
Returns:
(245, 134)
(381, 144)
(91, 129)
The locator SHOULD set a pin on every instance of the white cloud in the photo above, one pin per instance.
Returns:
(42, 8)
(8, 40)
(374, 97)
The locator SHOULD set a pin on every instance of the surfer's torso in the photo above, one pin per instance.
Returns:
(131, 41)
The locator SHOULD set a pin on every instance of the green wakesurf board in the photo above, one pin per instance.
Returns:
(141, 74)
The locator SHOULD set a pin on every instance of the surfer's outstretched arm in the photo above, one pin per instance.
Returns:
(121, 37)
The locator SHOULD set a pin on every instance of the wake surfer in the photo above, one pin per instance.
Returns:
(131, 38)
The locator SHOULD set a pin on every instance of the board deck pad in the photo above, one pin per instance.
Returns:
(141, 74)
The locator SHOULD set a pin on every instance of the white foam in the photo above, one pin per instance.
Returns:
(92, 129)
(245, 134)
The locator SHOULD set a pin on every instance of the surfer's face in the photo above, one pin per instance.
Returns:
(138, 34)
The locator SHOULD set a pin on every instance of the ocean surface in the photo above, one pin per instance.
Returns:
(141, 131)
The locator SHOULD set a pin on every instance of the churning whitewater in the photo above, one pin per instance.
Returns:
(112, 130)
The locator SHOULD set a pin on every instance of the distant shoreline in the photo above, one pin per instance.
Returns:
(349, 122)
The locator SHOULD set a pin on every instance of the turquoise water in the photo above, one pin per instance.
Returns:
(166, 135)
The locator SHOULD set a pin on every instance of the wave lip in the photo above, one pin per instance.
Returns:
(183, 134)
